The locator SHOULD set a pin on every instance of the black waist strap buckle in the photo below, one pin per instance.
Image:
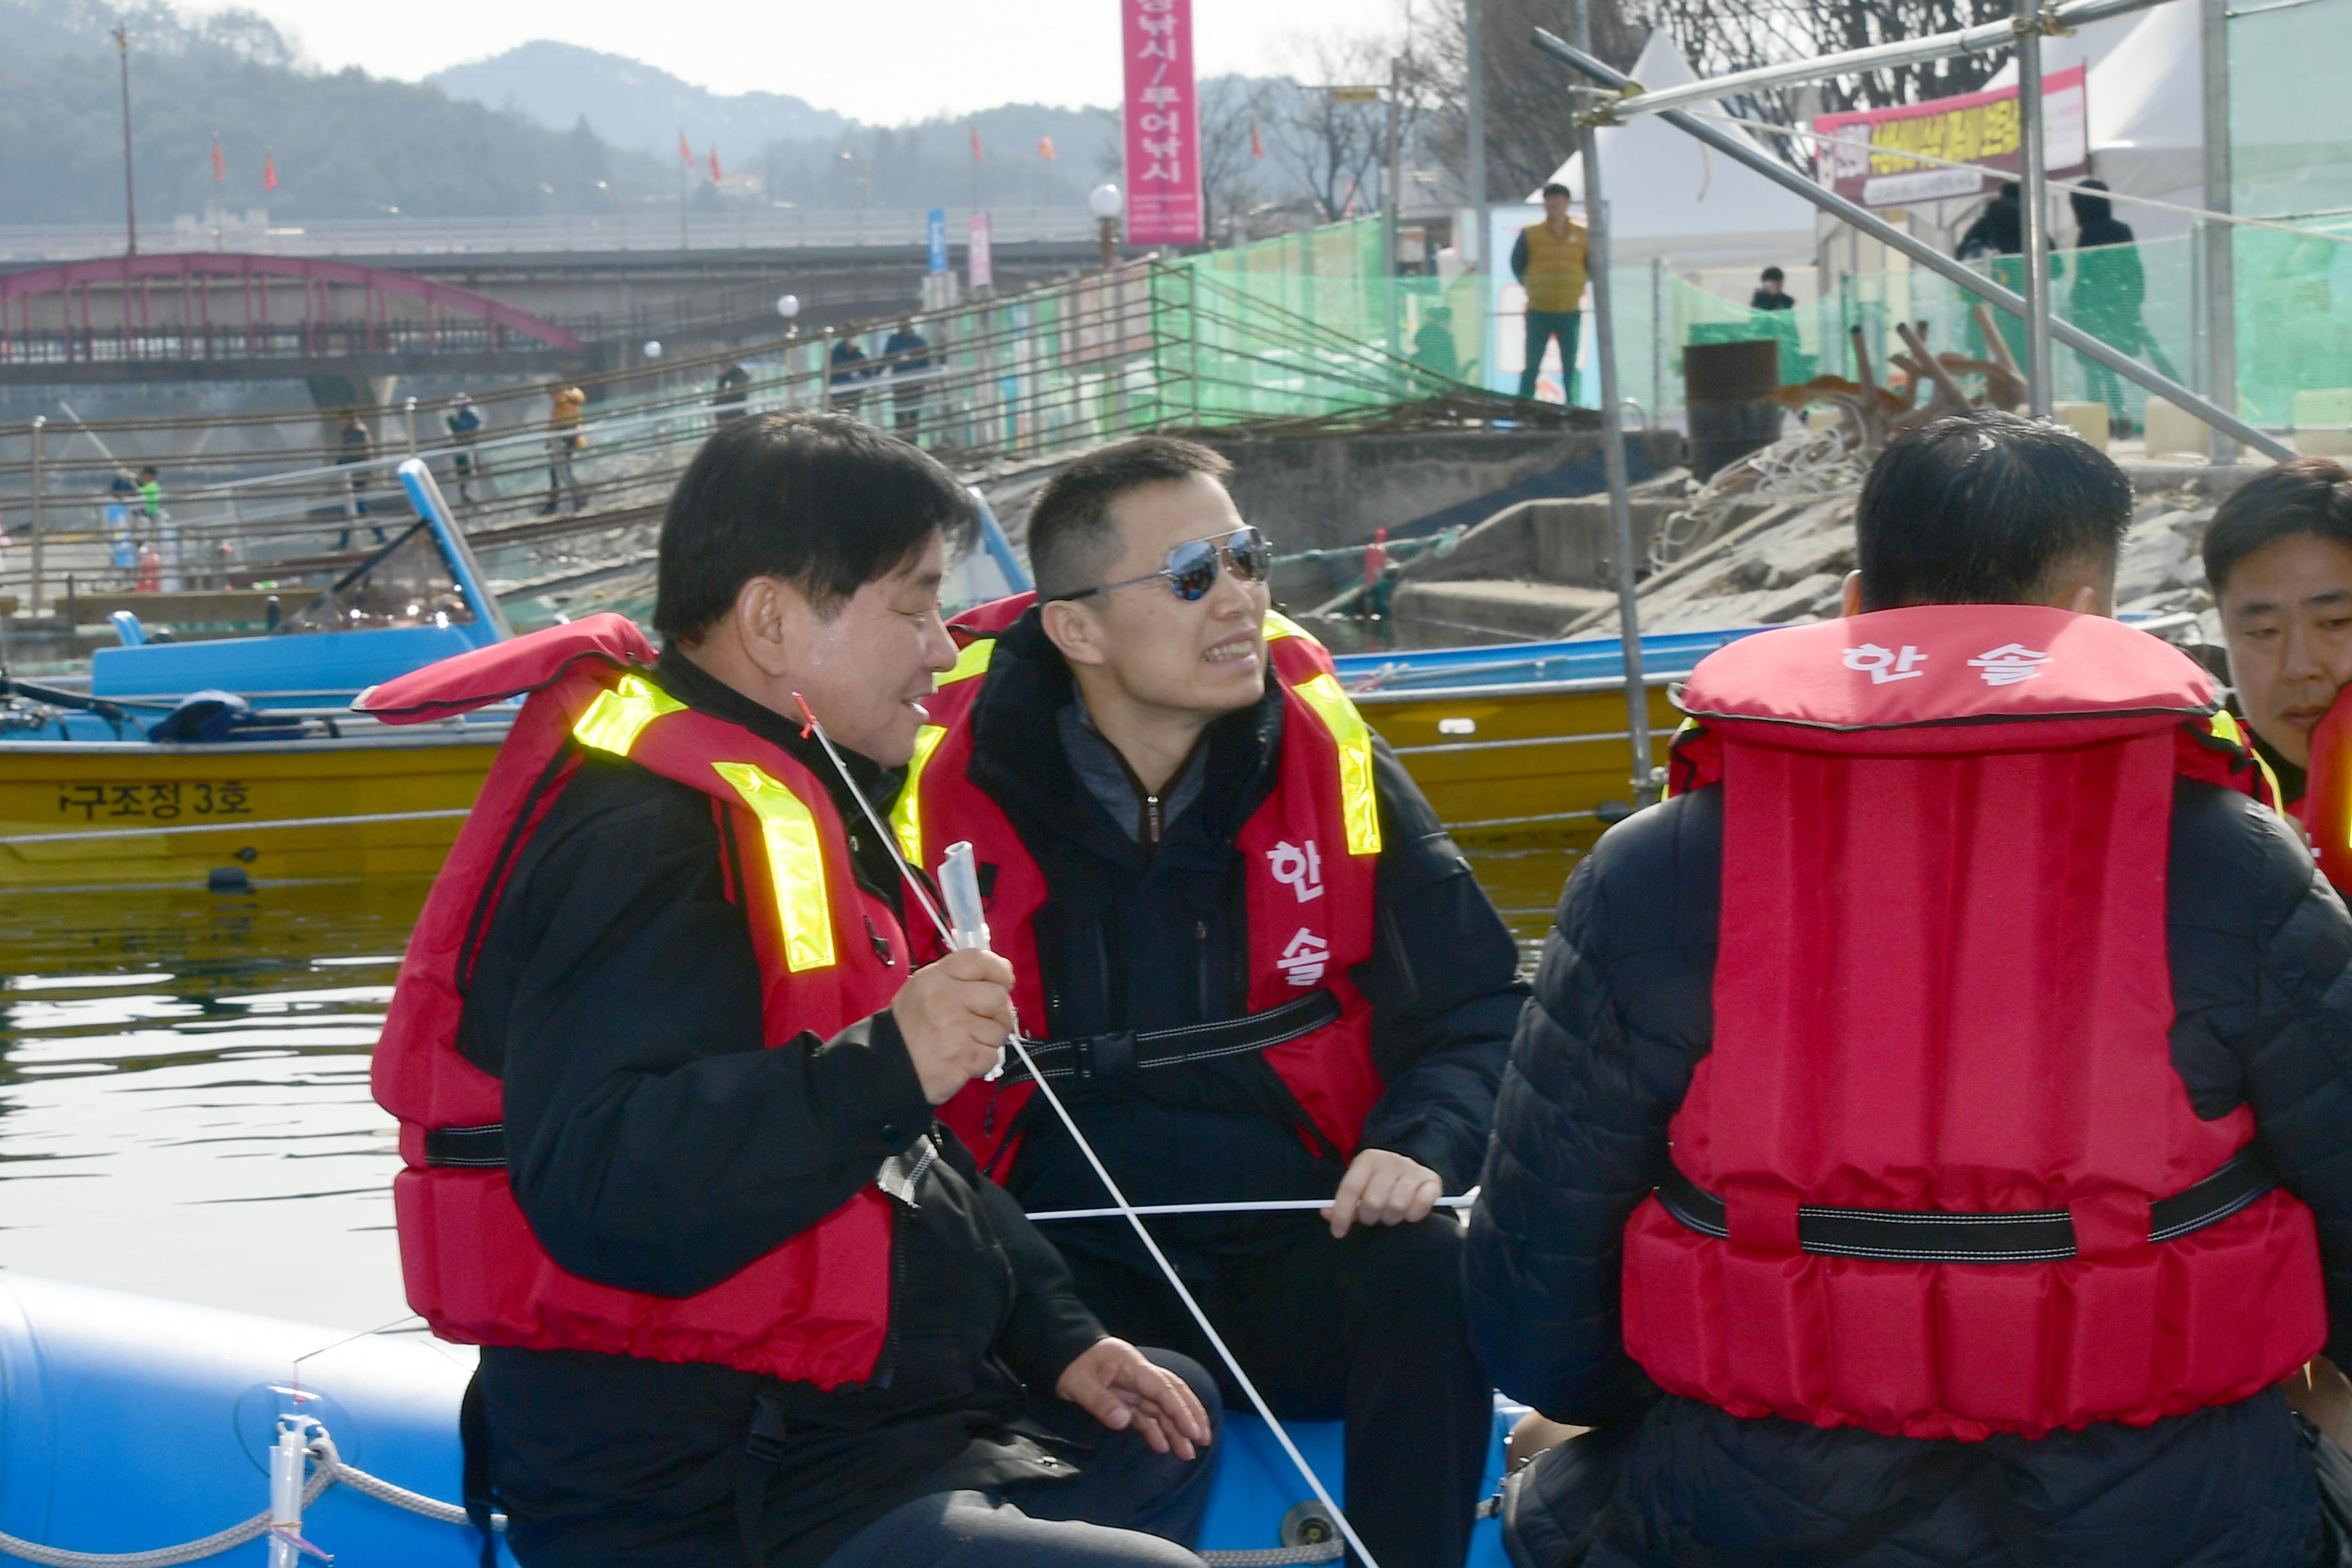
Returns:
(2035, 1236)
(482, 1148)
(1114, 1053)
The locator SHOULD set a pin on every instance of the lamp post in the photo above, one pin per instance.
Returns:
(1105, 202)
(788, 306)
(130, 197)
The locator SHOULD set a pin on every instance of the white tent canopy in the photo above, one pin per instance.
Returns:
(1671, 197)
(2146, 99)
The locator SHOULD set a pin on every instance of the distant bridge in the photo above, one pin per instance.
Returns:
(218, 315)
(449, 298)
(649, 228)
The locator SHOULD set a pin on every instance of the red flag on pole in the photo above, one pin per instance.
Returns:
(714, 163)
(218, 170)
(1045, 147)
(975, 144)
(269, 170)
(684, 150)
(1257, 148)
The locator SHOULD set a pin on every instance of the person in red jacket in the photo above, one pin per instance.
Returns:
(1255, 963)
(1926, 1140)
(665, 1069)
(2278, 559)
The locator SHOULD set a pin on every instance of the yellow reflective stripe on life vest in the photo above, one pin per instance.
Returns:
(907, 815)
(796, 863)
(1278, 625)
(2224, 726)
(972, 660)
(621, 712)
(1358, 805)
(1689, 726)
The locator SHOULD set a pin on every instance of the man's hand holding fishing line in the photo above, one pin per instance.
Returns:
(1382, 1187)
(954, 1016)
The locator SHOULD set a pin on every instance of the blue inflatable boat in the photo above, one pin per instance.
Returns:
(130, 1424)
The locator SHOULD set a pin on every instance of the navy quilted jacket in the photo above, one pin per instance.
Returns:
(2262, 977)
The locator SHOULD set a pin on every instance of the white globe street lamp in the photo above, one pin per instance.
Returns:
(1106, 202)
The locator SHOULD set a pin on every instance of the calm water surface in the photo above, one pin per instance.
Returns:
(183, 1097)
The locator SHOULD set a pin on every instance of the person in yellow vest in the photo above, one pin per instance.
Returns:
(1548, 262)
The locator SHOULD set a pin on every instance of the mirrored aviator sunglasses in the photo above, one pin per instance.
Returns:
(1192, 566)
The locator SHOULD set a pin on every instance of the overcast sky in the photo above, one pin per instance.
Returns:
(883, 61)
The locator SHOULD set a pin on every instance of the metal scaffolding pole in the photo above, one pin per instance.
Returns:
(2215, 239)
(1613, 445)
(1829, 201)
(1474, 39)
(2033, 194)
(1976, 40)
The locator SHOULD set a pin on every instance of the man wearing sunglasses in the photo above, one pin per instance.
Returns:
(1258, 967)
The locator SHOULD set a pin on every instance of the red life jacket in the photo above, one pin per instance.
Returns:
(1942, 995)
(1311, 851)
(817, 1309)
(2325, 808)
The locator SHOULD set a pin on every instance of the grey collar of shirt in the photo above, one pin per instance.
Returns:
(1141, 815)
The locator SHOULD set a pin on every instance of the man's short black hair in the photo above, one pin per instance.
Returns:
(1556, 189)
(2302, 495)
(820, 500)
(1985, 508)
(1774, 275)
(1071, 535)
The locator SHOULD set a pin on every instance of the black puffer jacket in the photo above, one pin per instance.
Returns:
(1623, 1009)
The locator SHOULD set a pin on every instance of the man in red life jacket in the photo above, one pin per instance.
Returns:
(1927, 1139)
(666, 1072)
(2278, 559)
(1262, 970)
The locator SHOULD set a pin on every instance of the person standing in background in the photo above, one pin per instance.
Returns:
(1549, 261)
(465, 423)
(2109, 289)
(1769, 293)
(849, 374)
(910, 366)
(733, 392)
(1998, 239)
(563, 440)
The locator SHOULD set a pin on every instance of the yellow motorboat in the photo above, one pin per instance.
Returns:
(1527, 739)
(93, 814)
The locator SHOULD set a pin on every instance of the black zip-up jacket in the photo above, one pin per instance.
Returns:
(2261, 954)
(656, 1146)
(1142, 937)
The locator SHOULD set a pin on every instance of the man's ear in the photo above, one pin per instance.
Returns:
(768, 625)
(1850, 596)
(1072, 628)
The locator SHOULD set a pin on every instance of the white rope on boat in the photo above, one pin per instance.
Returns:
(1277, 1556)
(331, 1469)
(82, 836)
(1271, 1205)
(1127, 1210)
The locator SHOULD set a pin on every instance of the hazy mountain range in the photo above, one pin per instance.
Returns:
(544, 128)
(630, 104)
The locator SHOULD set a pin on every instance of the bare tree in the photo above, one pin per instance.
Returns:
(1529, 123)
(1228, 120)
(1530, 115)
(1334, 148)
(1719, 36)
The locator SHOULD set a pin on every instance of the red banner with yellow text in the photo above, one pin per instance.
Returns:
(1876, 156)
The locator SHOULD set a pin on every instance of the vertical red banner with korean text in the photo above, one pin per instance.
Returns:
(1163, 136)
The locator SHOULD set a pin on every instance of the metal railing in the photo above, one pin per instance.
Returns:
(262, 503)
(652, 227)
